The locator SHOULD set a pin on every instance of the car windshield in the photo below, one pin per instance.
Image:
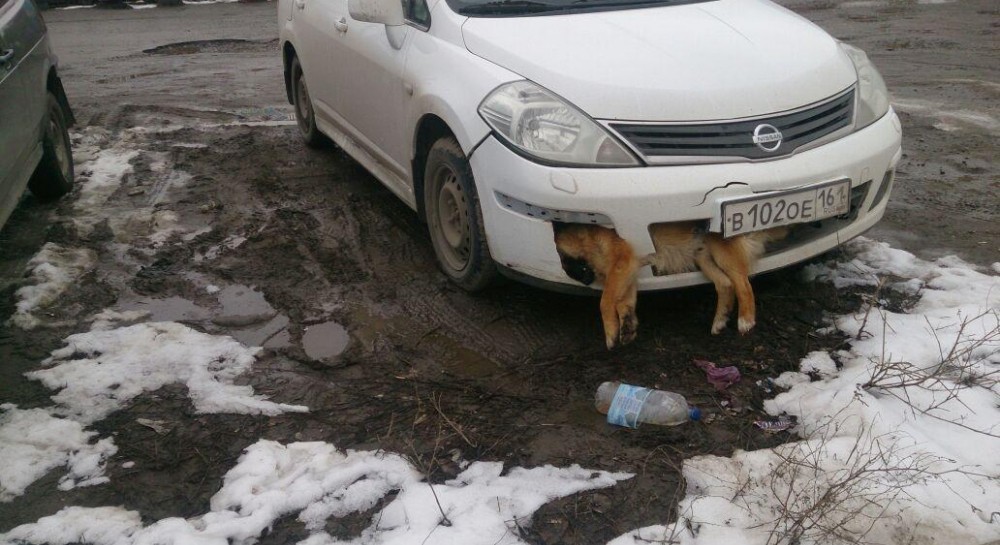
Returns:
(512, 8)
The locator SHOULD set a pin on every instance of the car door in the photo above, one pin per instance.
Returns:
(372, 91)
(316, 24)
(20, 120)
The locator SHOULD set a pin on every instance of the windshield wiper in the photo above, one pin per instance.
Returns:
(505, 7)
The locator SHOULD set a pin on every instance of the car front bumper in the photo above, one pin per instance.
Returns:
(519, 197)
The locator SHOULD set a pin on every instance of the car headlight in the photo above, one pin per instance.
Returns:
(873, 97)
(544, 126)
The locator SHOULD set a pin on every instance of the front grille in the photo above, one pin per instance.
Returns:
(736, 138)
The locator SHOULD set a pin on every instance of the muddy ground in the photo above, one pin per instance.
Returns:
(336, 278)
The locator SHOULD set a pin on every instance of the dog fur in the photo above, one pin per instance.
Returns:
(592, 253)
(727, 262)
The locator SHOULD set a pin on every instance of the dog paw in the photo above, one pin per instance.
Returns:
(611, 341)
(629, 327)
(746, 325)
(718, 326)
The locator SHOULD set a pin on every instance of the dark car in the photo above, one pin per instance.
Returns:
(35, 148)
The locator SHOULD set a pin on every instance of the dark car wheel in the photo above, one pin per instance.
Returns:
(53, 177)
(304, 114)
(454, 218)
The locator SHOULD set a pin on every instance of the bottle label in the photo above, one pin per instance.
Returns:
(626, 405)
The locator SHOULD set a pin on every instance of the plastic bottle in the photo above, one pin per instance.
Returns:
(637, 405)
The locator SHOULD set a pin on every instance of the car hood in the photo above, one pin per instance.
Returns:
(718, 60)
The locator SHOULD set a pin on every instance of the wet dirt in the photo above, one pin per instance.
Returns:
(212, 46)
(940, 62)
(302, 252)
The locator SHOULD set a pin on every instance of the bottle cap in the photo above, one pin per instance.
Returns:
(694, 413)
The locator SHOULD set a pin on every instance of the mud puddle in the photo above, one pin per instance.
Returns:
(325, 341)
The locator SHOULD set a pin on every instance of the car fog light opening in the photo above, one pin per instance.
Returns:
(883, 189)
(551, 214)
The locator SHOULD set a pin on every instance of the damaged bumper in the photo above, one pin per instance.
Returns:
(521, 198)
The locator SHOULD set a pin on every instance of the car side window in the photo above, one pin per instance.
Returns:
(416, 11)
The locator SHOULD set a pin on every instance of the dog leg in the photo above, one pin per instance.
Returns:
(626, 313)
(725, 296)
(619, 299)
(609, 316)
(748, 306)
(733, 257)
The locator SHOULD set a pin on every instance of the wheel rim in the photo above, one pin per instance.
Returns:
(58, 138)
(451, 220)
(303, 107)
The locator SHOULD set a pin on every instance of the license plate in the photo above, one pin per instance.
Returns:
(756, 213)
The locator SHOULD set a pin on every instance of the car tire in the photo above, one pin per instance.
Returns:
(305, 116)
(53, 177)
(455, 219)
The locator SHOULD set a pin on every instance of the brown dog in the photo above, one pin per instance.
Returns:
(592, 252)
(727, 262)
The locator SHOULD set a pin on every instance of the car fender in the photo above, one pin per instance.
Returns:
(56, 86)
(450, 82)
(286, 37)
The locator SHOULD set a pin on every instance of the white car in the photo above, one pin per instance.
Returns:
(494, 118)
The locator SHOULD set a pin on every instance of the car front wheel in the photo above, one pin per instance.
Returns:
(53, 177)
(455, 219)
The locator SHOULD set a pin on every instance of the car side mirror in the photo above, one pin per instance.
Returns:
(386, 12)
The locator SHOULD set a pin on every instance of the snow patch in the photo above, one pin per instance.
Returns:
(865, 4)
(788, 379)
(71, 525)
(53, 269)
(271, 480)
(940, 111)
(34, 442)
(820, 363)
(100, 371)
(878, 463)
(107, 169)
(110, 319)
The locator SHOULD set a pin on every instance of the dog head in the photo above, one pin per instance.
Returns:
(577, 268)
(571, 246)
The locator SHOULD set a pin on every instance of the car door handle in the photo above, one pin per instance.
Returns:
(340, 24)
(6, 56)
(300, 4)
